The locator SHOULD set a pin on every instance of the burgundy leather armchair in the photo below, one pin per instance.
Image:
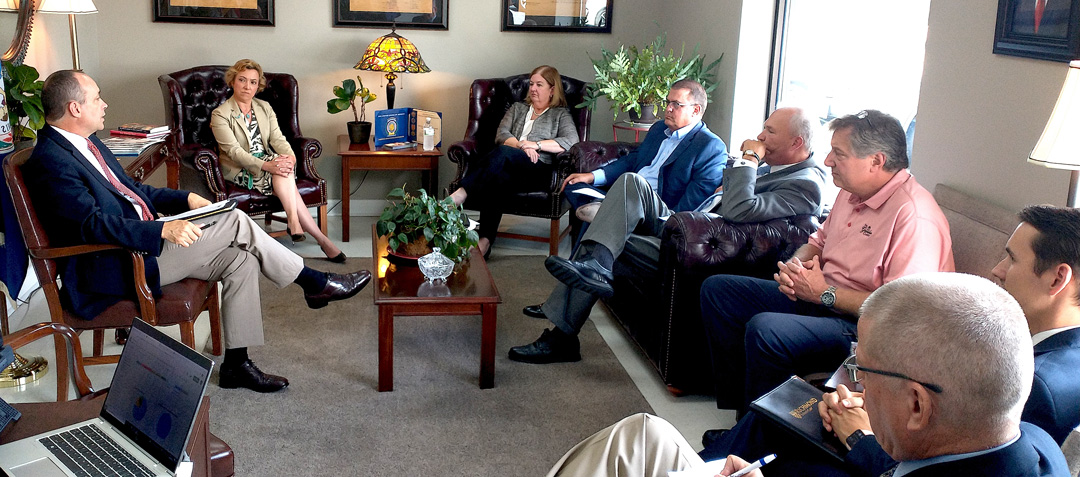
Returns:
(658, 280)
(489, 99)
(190, 97)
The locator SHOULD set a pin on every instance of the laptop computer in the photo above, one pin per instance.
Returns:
(149, 413)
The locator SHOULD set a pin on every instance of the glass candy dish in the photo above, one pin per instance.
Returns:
(435, 266)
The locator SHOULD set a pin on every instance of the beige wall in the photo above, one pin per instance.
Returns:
(980, 113)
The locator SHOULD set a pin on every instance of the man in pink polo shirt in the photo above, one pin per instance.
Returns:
(883, 226)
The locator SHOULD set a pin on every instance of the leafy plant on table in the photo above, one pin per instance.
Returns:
(416, 223)
(23, 90)
(346, 96)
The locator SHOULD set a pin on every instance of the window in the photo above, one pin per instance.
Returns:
(836, 57)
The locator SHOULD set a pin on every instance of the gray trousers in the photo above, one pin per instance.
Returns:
(640, 445)
(234, 251)
(630, 207)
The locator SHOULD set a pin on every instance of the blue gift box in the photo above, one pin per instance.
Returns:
(391, 125)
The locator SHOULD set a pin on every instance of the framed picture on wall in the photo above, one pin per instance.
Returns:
(429, 14)
(244, 12)
(1041, 29)
(574, 16)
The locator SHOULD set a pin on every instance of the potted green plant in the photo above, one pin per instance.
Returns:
(636, 80)
(23, 89)
(416, 223)
(346, 97)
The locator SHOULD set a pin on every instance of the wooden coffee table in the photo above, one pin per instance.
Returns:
(366, 157)
(400, 290)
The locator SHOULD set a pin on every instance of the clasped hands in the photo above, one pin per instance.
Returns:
(842, 413)
(280, 165)
(801, 280)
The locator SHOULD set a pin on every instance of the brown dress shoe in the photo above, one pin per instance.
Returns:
(247, 375)
(338, 287)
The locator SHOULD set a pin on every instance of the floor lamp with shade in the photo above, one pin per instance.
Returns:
(71, 8)
(1059, 145)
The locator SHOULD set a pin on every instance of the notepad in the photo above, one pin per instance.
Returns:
(203, 212)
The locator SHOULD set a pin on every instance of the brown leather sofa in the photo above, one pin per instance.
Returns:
(658, 280)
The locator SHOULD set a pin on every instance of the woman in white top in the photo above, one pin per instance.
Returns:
(530, 135)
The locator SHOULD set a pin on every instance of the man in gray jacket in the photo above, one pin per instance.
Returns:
(792, 184)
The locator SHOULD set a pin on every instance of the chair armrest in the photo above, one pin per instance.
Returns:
(307, 149)
(205, 160)
(144, 296)
(462, 151)
(53, 253)
(587, 156)
(35, 332)
(704, 244)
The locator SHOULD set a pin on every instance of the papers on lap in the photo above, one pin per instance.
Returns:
(202, 212)
(707, 469)
(589, 192)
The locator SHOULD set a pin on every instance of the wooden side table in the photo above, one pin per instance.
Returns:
(629, 126)
(400, 290)
(149, 160)
(366, 157)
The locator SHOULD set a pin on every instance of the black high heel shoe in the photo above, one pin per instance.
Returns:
(339, 258)
(300, 237)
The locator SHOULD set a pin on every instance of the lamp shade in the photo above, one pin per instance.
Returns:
(392, 53)
(68, 6)
(1059, 145)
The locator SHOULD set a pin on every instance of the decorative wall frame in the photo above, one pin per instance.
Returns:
(403, 14)
(572, 16)
(243, 12)
(1041, 29)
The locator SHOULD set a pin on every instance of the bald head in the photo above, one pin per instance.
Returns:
(788, 135)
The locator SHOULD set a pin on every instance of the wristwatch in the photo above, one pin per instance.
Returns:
(854, 438)
(828, 297)
(750, 152)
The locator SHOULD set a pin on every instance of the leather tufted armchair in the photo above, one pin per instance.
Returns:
(489, 99)
(190, 97)
(658, 280)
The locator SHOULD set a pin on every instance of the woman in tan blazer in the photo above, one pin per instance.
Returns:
(254, 153)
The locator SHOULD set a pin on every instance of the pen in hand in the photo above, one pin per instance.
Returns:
(755, 466)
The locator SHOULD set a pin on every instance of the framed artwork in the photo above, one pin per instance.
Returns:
(428, 14)
(244, 12)
(574, 16)
(1041, 29)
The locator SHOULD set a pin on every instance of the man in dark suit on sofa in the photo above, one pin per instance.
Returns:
(83, 196)
(793, 187)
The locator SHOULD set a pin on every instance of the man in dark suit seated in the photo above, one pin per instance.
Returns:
(83, 196)
(946, 361)
(793, 186)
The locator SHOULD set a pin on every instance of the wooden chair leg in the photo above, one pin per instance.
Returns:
(268, 218)
(187, 334)
(61, 366)
(554, 238)
(214, 307)
(322, 218)
(99, 342)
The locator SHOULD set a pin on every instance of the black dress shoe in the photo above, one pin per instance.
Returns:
(551, 347)
(587, 275)
(338, 287)
(534, 311)
(249, 376)
(712, 436)
(121, 335)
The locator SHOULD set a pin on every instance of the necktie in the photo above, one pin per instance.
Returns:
(116, 182)
(889, 473)
(763, 170)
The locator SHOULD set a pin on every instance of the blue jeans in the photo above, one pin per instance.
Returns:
(758, 337)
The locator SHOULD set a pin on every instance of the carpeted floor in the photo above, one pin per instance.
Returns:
(437, 421)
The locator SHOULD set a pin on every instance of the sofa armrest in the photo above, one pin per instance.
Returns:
(587, 156)
(705, 244)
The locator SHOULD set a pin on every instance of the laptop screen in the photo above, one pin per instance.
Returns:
(156, 391)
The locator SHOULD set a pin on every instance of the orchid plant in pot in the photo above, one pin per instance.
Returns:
(345, 97)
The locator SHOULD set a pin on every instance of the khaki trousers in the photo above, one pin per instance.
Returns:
(234, 251)
(641, 445)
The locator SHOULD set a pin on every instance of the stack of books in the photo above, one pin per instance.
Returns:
(130, 146)
(141, 130)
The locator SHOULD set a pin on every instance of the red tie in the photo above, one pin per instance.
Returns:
(117, 184)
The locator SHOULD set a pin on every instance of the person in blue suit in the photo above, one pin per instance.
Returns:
(678, 166)
(83, 196)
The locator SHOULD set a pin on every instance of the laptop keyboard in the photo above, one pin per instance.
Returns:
(87, 451)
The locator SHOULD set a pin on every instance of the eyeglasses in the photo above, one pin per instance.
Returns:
(854, 371)
(864, 114)
(675, 104)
